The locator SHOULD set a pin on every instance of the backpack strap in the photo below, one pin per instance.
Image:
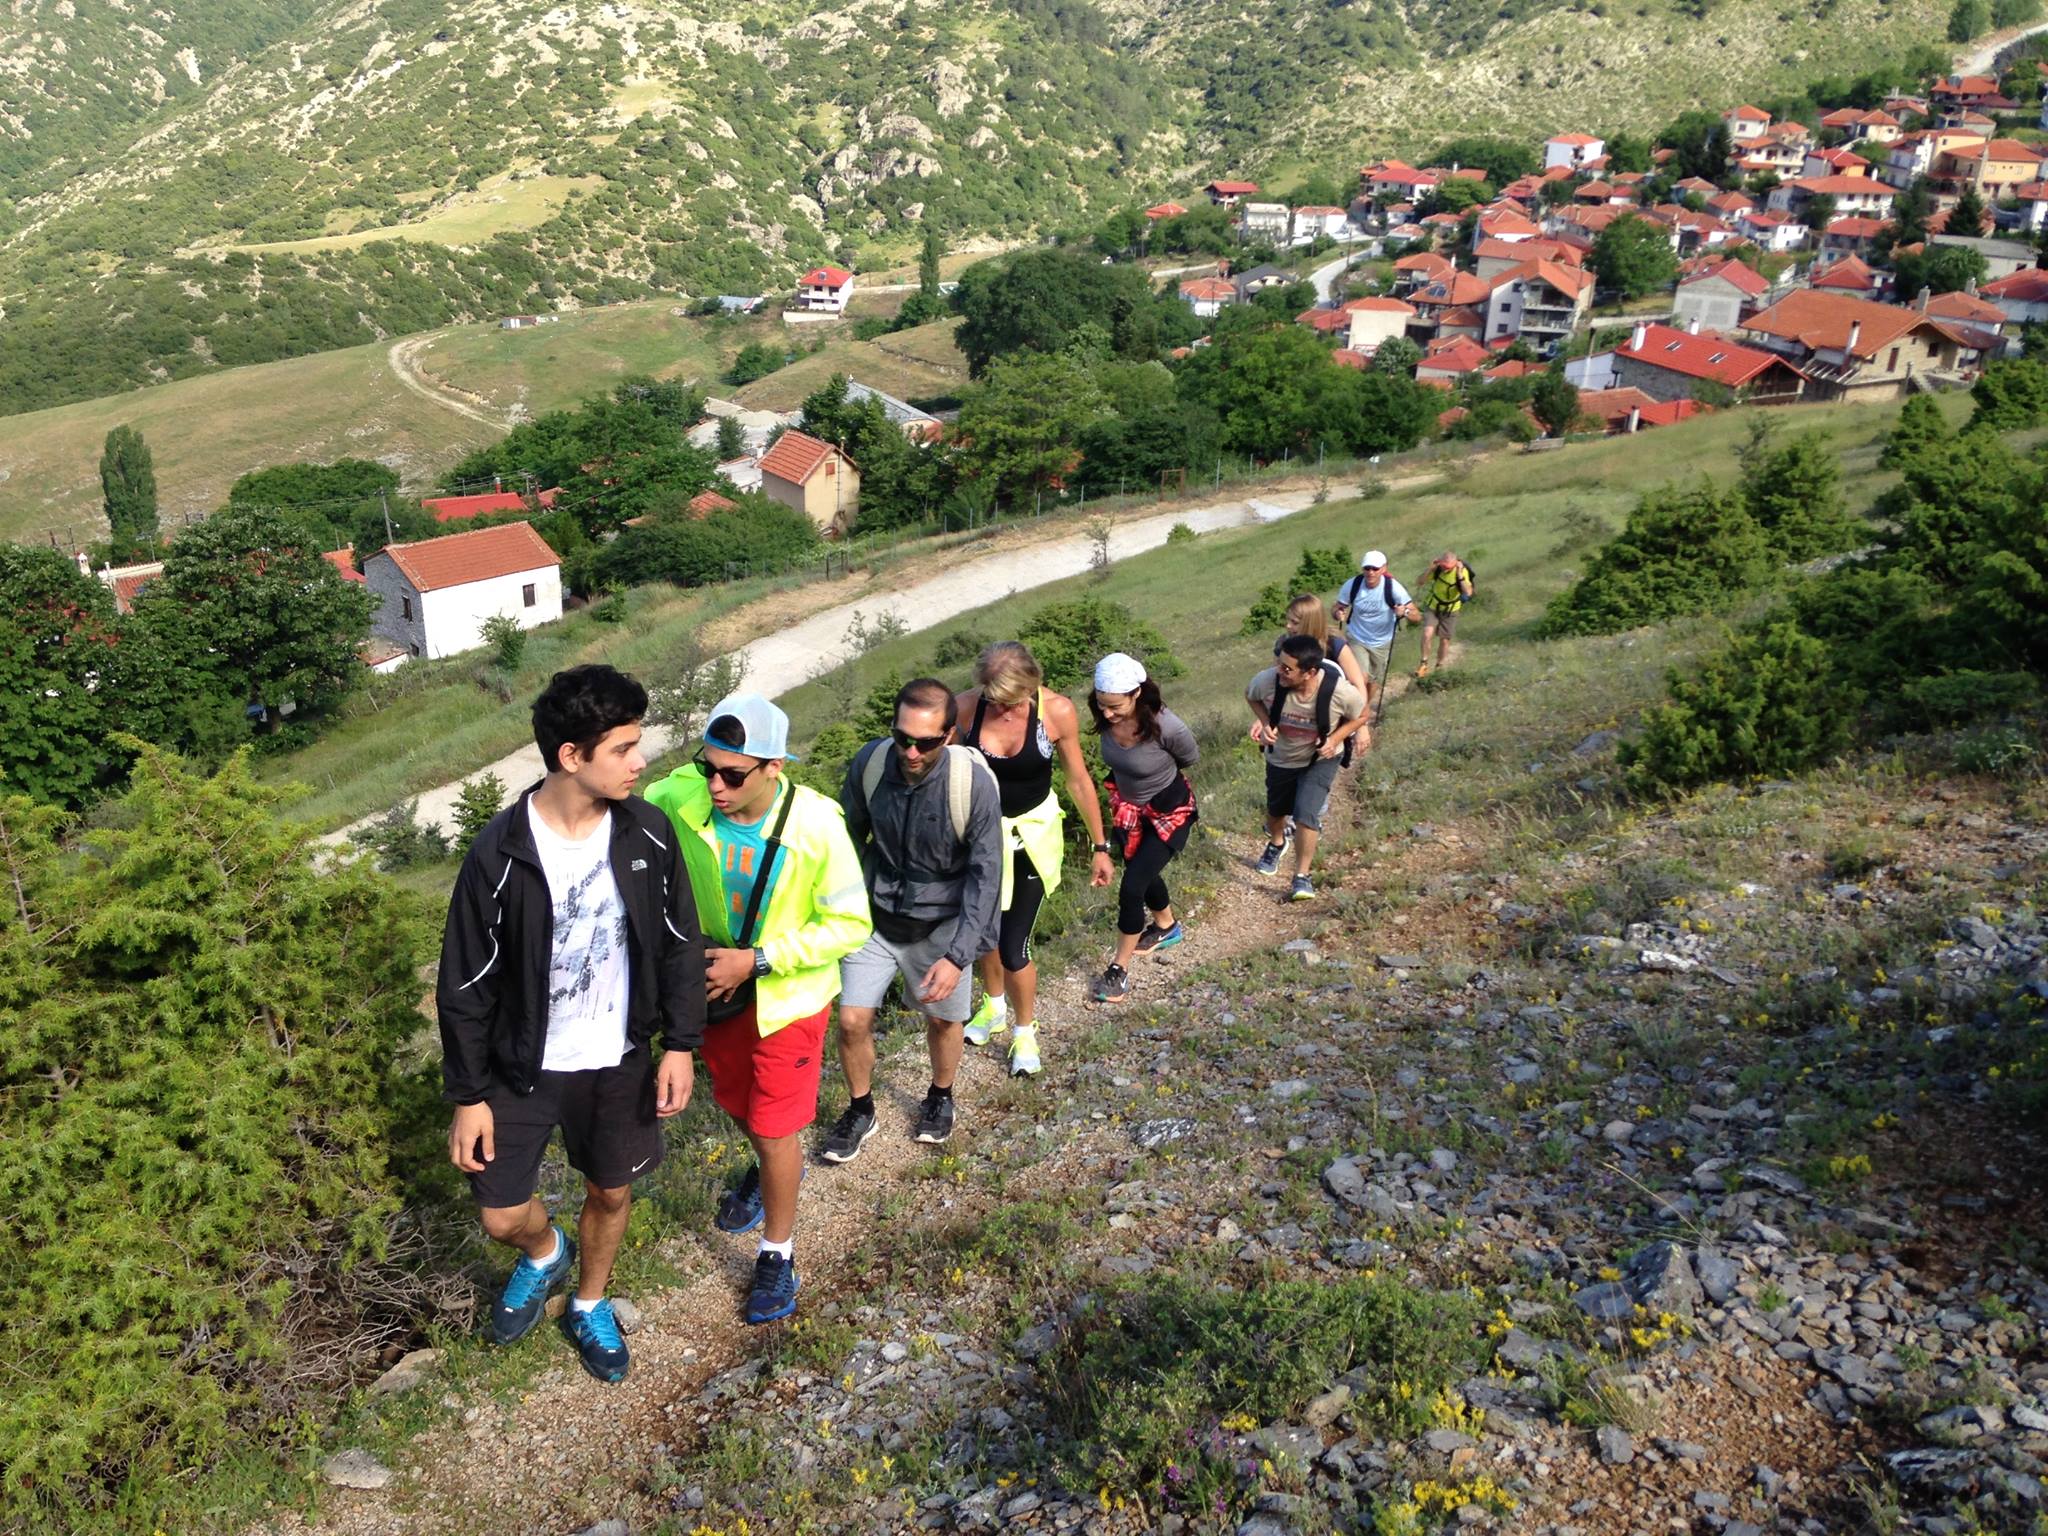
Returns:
(871, 771)
(1352, 590)
(771, 846)
(961, 765)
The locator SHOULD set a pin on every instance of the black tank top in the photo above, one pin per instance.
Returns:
(1025, 778)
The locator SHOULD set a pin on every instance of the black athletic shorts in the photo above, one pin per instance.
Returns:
(606, 1116)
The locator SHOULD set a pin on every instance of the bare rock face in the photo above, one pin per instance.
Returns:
(356, 1469)
(948, 81)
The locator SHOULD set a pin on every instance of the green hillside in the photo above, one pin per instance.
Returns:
(365, 170)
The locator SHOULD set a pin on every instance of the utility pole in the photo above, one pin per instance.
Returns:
(385, 502)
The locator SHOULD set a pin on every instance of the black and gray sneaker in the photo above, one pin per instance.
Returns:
(849, 1133)
(935, 1118)
(740, 1210)
(1269, 861)
(1114, 985)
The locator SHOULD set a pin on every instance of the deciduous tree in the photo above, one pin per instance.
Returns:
(128, 494)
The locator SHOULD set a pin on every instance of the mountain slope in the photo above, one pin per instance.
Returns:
(385, 166)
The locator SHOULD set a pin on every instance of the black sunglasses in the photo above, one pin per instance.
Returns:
(923, 743)
(732, 778)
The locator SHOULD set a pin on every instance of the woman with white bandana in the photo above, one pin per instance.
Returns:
(1148, 749)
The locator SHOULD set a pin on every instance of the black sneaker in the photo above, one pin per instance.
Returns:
(849, 1133)
(526, 1293)
(596, 1336)
(774, 1292)
(935, 1120)
(740, 1210)
(1269, 861)
(1156, 937)
(1114, 986)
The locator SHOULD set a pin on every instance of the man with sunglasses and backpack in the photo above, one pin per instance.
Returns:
(1371, 606)
(779, 895)
(926, 816)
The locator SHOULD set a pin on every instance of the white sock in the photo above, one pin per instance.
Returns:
(554, 1253)
(578, 1304)
(999, 1007)
(786, 1249)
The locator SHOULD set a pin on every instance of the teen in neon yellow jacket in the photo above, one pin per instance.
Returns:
(817, 913)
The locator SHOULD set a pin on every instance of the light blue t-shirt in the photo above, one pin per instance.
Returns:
(740, 847)
(1372, 622)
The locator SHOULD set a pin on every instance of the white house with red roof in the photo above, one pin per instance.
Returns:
(1771, 231)
(1312, 220)
(814, 477)
(1746, 124)
(824, 291)
(1453, 358)
(1667, 363)
(1228, 194)
(1570, 151)
(1539, 302)
(1374, 320)
(1718, 295)
(2023, 296)
(1859, 196)
(1206, 295)
(436, 594)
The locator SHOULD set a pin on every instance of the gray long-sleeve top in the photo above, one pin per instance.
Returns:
(1142, 771)
(916, 868)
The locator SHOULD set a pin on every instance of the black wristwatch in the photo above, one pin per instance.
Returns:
(761, 965)
(1101, 847)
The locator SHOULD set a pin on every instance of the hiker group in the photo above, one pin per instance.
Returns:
(722, 914)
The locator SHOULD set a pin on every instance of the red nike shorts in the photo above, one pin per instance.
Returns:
(769, 1084)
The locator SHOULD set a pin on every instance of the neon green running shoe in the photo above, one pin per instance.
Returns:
(991, 1018)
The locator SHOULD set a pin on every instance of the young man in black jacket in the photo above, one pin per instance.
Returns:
(572, 944)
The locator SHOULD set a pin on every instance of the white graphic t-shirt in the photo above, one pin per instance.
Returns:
(587, 981)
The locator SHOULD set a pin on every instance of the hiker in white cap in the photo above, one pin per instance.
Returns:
(1148, 750)
(1371, 606)
(778, 891)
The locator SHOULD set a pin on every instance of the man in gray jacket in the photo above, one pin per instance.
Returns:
(927, 818)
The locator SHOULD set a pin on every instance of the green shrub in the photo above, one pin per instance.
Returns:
(1180, 533)
(2010, 395)
(1954, 698)
(481, 799)
(1766, 704)
(2003, 752)
(1069, 638)
(1681, 551)
(1152, 1383)
(1794, 491)
(960, 649)
(1320, 571)
(399, 840)
(202, 1101)
(502, 633)
(1920, 425)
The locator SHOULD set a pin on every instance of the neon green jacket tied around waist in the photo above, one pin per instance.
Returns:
(1037, 833)
(817, 913)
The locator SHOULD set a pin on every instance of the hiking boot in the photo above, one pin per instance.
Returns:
(1114, 985)
(774, 1293)
(526, 1292)
(935, 1119)
(740, 1210)
(596, 1336)
(1269, 861)
(1156, 937)
(1422, 671)
(849, 1133)
(1303, 889)
(1024, 1053)
(987, 1021)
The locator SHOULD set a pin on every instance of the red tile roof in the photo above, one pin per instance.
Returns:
(344, 558)
(1232, 188)
(1703, 356)
(127, 585)
(456, 509)
(1966, 307)
(1513, 368)
(826, 277)
(1576, 140)
(482, 554)
(1324, 320)
(1460, 354)
(1344, 357)
(1843, 186)
(1850, 273)
(1424, 261)
(1569, 281)
(795, 457)
(1749, 114)
(704, 503)
(1822, 321)
(1612, 408)
(2010, 149)
(1733, 272)
(1321, 210)
(1207, 289)
(2029, 286)
(1452, 289)
(1165, 211)
(1855, 227)
(1383, 306)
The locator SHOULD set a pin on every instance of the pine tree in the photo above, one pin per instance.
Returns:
(480, 800)
(128, 494)
(928, 263)
(1967, 216)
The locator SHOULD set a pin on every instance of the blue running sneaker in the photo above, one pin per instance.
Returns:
(526, 1293)
(740, 1210)
(596, 1336)
(774, 1292)
(1156, 937)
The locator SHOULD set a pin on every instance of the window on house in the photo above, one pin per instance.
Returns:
(415, 650)
(405, 608)
(1893, 365)
(527, 594)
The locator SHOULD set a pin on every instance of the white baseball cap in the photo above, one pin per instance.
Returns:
(764, 728)
(1372, 559)
(1118, 673)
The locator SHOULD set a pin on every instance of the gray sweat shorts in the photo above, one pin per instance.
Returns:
(864, 977)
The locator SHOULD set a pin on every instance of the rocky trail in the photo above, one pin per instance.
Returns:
(1728, 1160)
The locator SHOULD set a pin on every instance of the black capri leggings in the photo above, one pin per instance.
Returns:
(1144, 885)
(1027, 895)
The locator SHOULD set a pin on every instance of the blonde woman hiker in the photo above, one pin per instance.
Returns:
(1446, 589)
(1021, 730)
(1307, 616)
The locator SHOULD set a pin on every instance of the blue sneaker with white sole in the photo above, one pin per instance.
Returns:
(597, 1339)
(740, 1210)
(774, 1292)
(525, 1297)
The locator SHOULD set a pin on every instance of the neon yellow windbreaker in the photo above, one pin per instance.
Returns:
(817, 913)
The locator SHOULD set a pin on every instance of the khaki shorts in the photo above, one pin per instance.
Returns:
(1373, 661)
(1445, 623)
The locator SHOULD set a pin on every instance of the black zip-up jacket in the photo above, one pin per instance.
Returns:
(492, 994)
